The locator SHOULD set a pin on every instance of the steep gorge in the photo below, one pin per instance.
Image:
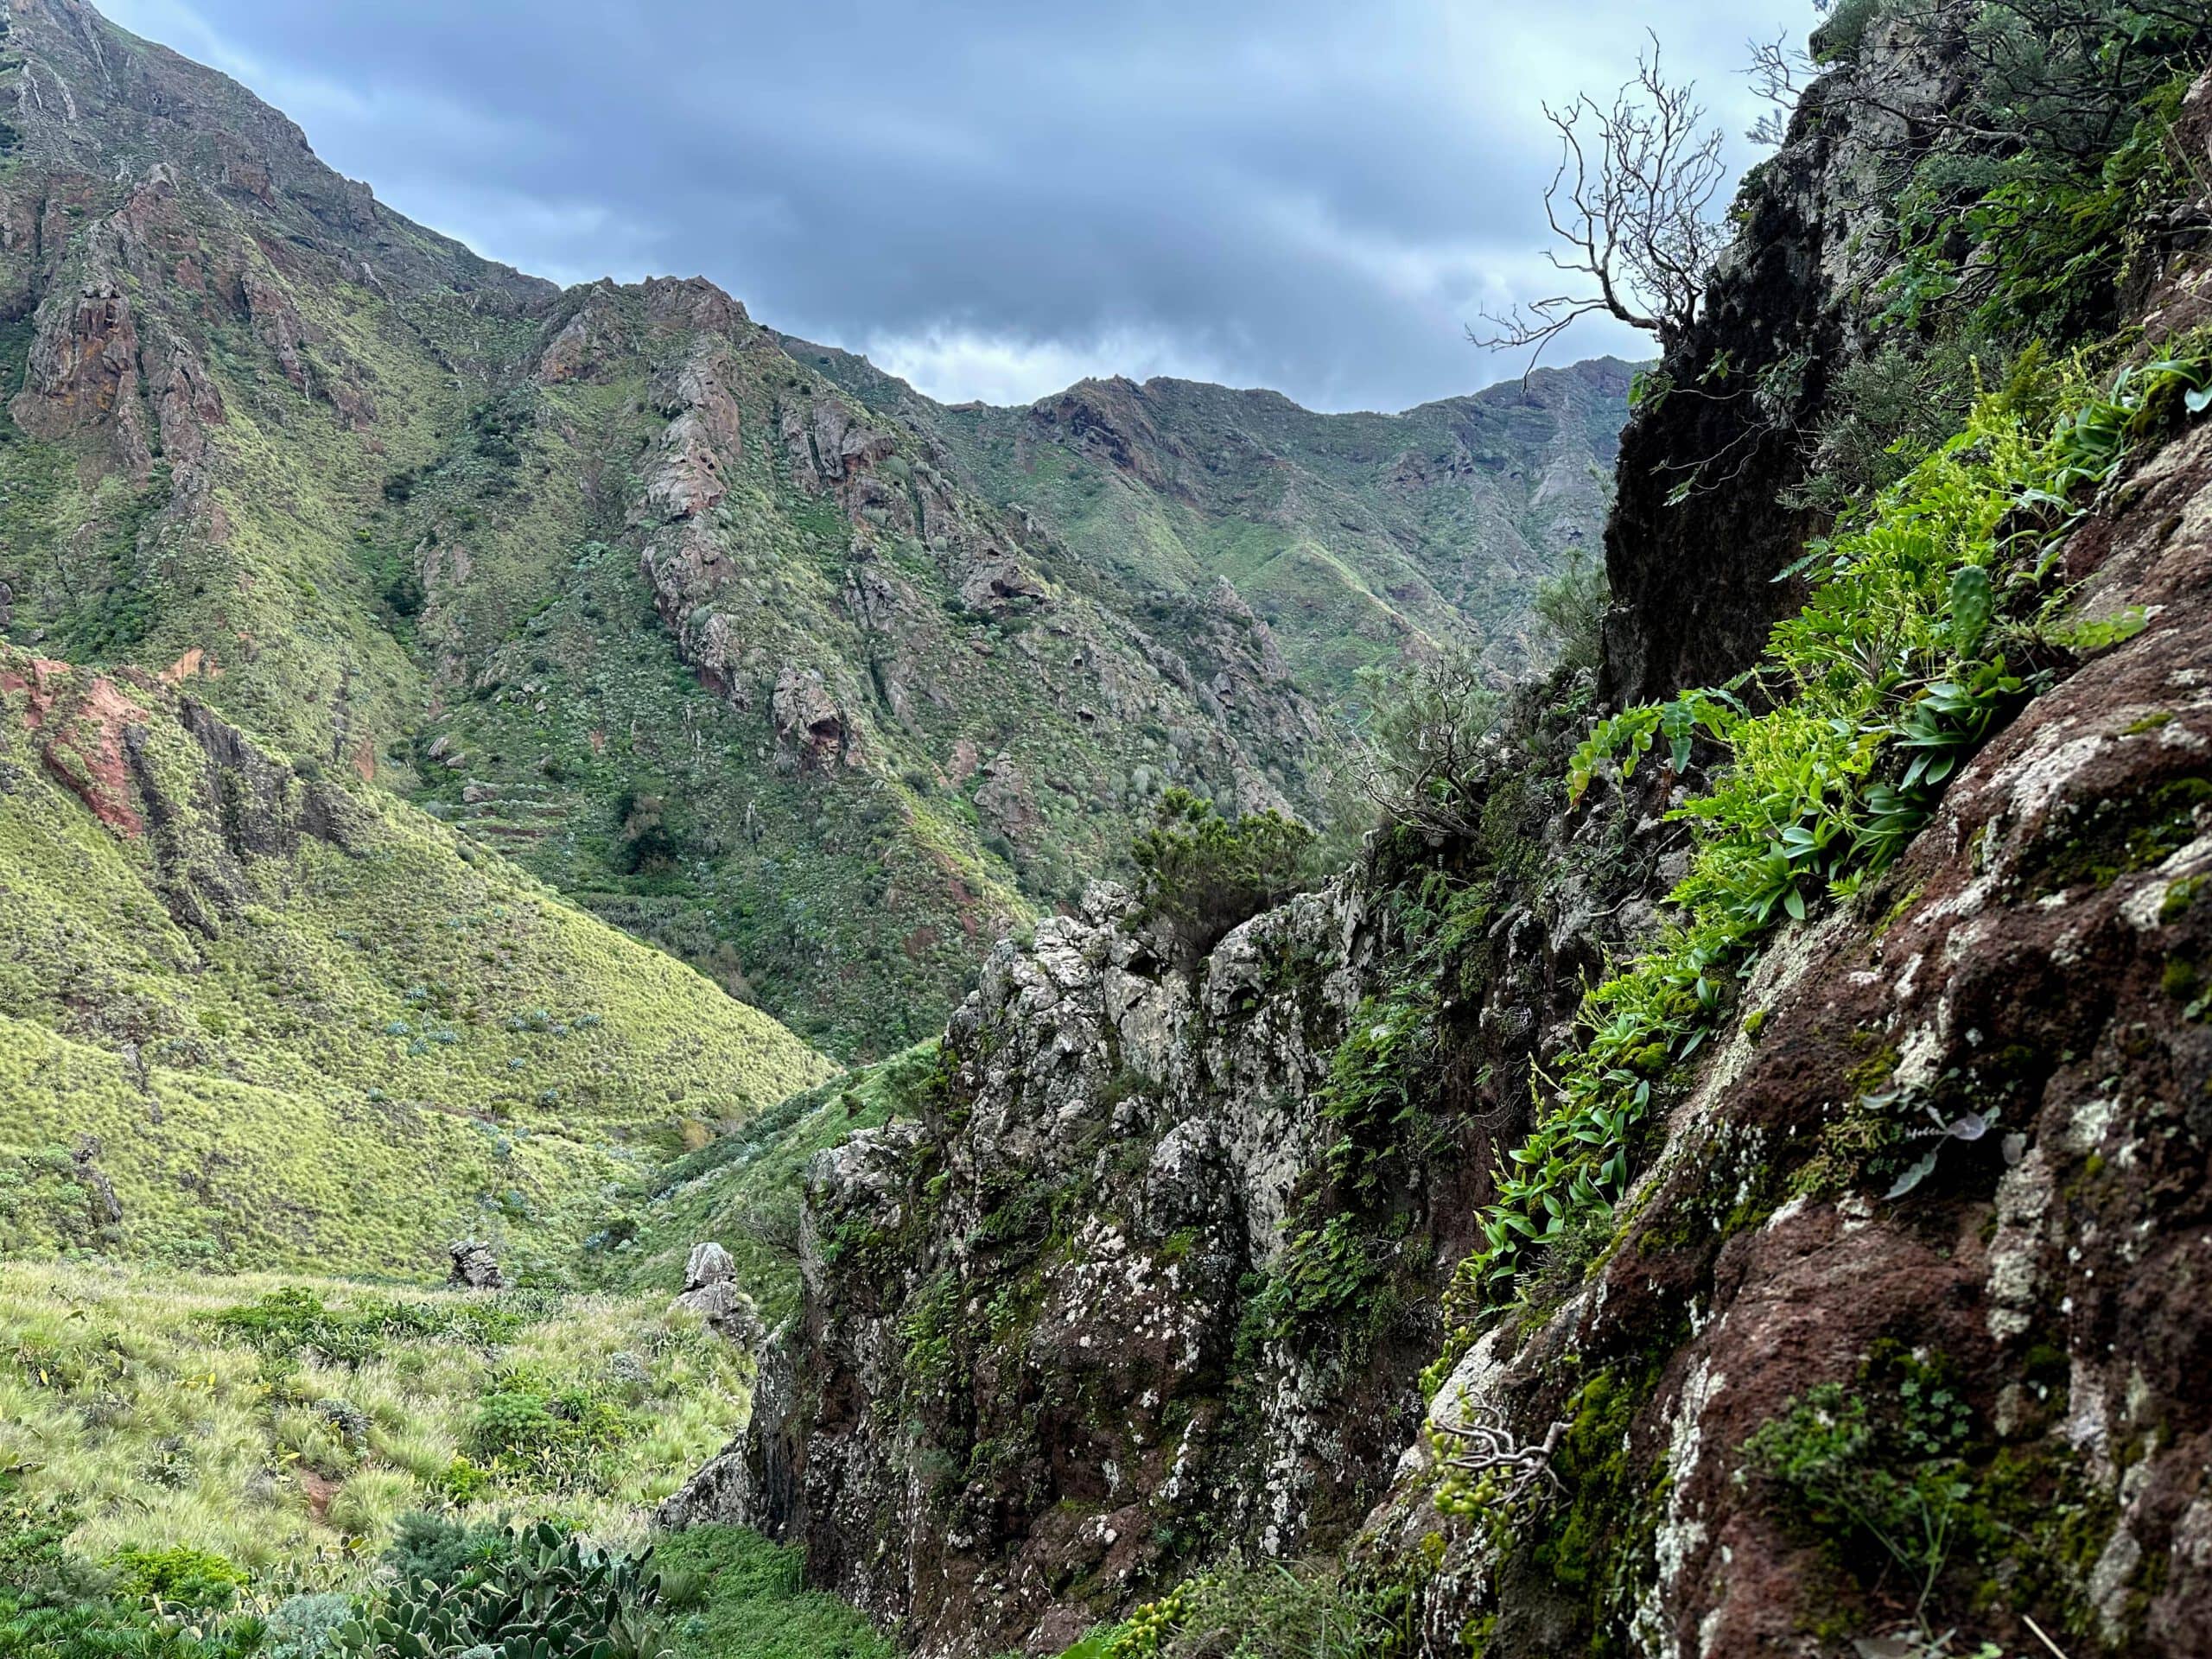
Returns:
(1152, 1278)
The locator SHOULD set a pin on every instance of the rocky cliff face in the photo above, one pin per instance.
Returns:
(1698, 532)
(2034, 955)
(1118, 1299)
(1359, 538)
(1149, 1282)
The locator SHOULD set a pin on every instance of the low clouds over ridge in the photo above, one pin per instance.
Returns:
(995, 199)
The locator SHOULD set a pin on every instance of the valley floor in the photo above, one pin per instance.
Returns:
(252, 1446)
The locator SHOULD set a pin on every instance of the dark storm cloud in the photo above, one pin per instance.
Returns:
(995, 199)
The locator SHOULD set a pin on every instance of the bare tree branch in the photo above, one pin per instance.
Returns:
(1630, 207)
(1778, 72)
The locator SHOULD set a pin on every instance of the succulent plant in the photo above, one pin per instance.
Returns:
(555, 1598)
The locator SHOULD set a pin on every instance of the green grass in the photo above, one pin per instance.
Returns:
(127, 1404)
(756, 1607)
(743, 1190)
(355, 1053)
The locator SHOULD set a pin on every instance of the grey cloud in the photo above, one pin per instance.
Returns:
(1311, 196)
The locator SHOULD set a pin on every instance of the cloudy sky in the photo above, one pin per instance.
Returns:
(996, 197)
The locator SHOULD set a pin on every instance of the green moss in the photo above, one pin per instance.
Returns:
(2121, 835)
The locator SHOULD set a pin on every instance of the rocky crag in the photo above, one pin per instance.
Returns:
(1911, 1233)
(754, 653)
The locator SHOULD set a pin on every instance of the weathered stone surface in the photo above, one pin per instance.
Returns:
(1790, 306)
(710, 1290)
(475, 1267)
(2020, 973)
(1051, 1281)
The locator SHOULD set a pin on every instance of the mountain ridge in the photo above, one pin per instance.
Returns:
(820, 697)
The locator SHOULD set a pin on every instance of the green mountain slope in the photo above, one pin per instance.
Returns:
(747, 649)
(1358, 538)
(256, 1016)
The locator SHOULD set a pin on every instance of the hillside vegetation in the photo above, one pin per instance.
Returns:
(222, 1466)
(1722, 1171)
(815, 684)
(252, 1016)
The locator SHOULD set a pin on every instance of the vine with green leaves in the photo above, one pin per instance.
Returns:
(1926, 613)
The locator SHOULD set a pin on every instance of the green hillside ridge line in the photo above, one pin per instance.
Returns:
(543, 559)
(341, 1048)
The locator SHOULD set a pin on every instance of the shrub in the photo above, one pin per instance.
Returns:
(1262, 1610)
(521, 1427)
(196, 1580)
(306, 1627)
(445, 1552)
(1571, 608)
(284, 1322)
(1202, 873)
(1426, 727)
(550, 1593)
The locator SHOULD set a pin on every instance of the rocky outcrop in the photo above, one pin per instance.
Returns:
(152, 764)
(475, 1267)
(710, 1291)
(84, 371)
(810, 730)
(1116, 1284)
(1065, 1333)
(1697, 530)
(2035, 957)
(1022, 1313)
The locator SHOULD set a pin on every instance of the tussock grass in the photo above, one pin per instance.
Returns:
(123, 1402)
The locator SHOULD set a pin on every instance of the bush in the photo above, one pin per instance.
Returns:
(1203, 875)
(306, 1627)
(655, 831)
(178, 1577)
(446, 1553)
(549, 1592)
(1425, 730)
(524, 1429)
(285, 1321)
(1262, 1610)
(1571, 606)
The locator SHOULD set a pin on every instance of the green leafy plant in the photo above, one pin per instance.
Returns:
(1867, 702)
(523, 1426)
(1264, 1610)
(1570, 608)
(1879, 1471)
(1202, 873)
(179, 1577)
(552, 1596)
